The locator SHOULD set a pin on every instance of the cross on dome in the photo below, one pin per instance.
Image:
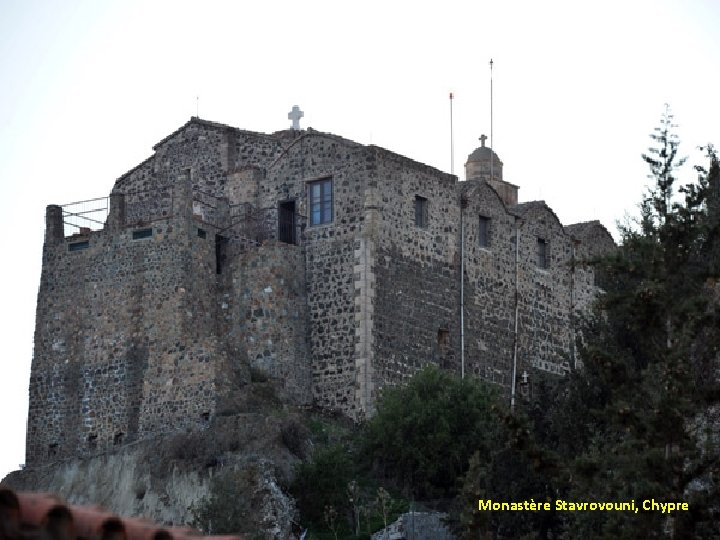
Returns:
(482, 140)
(295, 115)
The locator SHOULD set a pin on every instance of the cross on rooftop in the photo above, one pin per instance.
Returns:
(482, 140)
(295, 115)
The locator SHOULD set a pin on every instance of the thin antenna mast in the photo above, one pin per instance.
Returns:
(492, 153)
(197, 106)
(452, 140)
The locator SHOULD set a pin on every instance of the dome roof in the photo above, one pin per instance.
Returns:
(483, 153)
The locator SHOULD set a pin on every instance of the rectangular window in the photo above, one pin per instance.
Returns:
(320, 200)
(77, 246)
(139, 234)
(484, 232)
(421, 212)
(542, 253)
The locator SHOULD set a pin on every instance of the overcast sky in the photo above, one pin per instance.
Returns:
(88, 87)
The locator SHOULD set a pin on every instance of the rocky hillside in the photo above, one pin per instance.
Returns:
(244, 459)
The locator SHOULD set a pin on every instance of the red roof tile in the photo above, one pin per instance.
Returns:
(43, 516)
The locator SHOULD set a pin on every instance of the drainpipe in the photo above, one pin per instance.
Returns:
(463, 204)
(517, 310)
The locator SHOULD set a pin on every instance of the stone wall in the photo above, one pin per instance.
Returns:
(415, 272)
(592, 241)
(125, 340)
(265, 315)
(545, 292)
(490, 285)
(329, 253)
(211, 151)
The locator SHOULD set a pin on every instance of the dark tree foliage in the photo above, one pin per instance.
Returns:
(515, 468)
(650, 356)
(424, 433)
(322, 483)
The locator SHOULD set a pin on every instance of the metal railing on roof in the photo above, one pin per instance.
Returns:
(241, 223)
(85, 216)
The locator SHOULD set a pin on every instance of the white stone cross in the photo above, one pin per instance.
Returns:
(295, 115)
(482, 139)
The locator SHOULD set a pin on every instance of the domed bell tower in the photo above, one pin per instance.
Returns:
(484, 164)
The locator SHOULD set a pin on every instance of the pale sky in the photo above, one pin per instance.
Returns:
(88, 87)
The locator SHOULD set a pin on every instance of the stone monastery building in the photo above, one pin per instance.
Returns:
(332, 266)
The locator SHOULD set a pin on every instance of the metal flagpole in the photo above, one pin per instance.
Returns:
(452, 140)
(492, 153)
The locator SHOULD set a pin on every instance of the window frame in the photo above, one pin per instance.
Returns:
(321, 205)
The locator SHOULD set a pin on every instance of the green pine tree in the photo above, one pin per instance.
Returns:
(651, 357)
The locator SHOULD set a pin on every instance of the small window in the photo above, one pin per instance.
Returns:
(118, 438)
(221, 247)
(77, 246)
(320, 200)
(484, 232)
(92, 441)
(443, 337)
(202, 233)
(421, 212)
(139, 234)
(52, 449)
(542, 253)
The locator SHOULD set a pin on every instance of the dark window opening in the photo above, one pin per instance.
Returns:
(286, 222)
(221, 244)
(92, 441)
(205, 417)
(139, 234)
(542, 253)
(77, 246)
(443, 336)
(118, 438)
(202, 233)
(484, 232)
(52, 449)
(421, 212)
(320, 201)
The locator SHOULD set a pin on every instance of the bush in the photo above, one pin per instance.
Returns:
(424, 433)
(294, 436)
(323, 483)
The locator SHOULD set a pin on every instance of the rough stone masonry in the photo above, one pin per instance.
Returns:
(332, 266)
